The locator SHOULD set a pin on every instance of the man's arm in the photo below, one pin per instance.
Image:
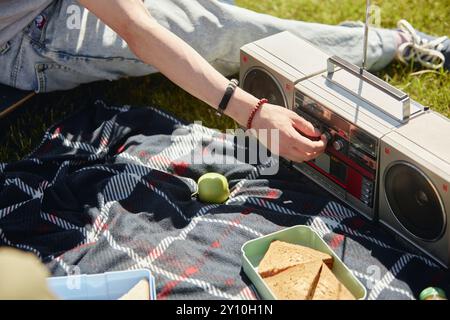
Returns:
(159, 47)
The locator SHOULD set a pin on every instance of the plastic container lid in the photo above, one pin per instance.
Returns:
(103, 286)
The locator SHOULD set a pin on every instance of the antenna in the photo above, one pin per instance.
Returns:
(366, 34)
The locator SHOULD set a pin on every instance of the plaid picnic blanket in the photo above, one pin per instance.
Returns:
(111, 189)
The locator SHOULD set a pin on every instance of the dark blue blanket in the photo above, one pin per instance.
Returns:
(111, 189)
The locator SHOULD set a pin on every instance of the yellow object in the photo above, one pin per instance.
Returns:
(22, 276)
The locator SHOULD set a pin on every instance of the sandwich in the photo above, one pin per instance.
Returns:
(330, 288)
(283, 255)
(295, 283)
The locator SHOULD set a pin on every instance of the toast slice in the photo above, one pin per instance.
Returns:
(141, 291)
(282, 255)
(296, 283)
(330, 288)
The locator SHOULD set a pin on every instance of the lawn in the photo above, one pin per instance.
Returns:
(24, 129)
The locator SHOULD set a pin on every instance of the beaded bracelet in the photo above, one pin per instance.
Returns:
(254, 111)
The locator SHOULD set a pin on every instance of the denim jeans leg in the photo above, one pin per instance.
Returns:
(218, 30)
(8, 63)
(81, 49)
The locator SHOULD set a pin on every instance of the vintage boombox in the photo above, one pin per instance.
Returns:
(388, 156)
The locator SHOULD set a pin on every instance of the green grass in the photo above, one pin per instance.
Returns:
(24, 129)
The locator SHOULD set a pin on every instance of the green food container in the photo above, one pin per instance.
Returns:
(254, 250)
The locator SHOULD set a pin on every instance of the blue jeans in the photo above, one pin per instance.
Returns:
(61, 53)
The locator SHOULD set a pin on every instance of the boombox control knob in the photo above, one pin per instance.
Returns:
(328, 136)
(338, 145)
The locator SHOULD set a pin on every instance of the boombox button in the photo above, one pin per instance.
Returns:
(338, 145)
(365, 196)
(367, 183)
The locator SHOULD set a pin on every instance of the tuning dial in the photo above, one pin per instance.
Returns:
(338, 145)
(328, 136)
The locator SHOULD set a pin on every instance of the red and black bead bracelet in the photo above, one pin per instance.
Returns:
(254, 111)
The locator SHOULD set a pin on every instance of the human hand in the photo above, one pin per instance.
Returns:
(294, 131)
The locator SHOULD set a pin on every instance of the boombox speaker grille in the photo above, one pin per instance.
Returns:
(262, 85)
(414, 201)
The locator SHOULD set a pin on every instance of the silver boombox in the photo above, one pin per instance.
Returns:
(388, 156)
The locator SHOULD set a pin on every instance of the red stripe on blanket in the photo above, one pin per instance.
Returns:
(336, 241)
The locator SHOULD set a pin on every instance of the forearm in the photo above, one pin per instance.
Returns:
(183, 65)
(160, 48)
(174, 58)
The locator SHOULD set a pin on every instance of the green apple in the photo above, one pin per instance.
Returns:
(213, 188)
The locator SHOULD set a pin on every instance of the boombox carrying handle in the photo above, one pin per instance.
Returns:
(364, 75)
